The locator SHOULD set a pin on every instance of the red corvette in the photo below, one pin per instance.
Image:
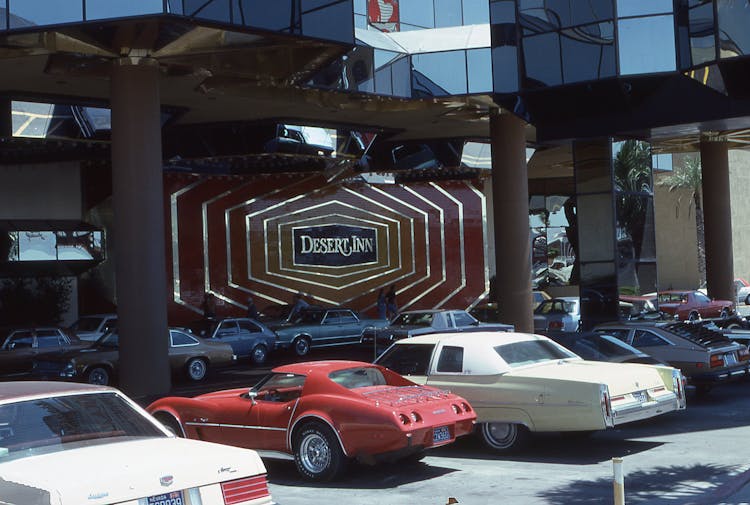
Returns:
(324, 413)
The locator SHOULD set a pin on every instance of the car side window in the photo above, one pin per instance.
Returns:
(407, 359)
(347, 317)
(47, 340)
(249, 327)
(618, 333)
(227, 329)
(179, 338)
(645, 338)
(20, 341)
(463, 319)
(702, 299)
(451, 359)
(332, 318)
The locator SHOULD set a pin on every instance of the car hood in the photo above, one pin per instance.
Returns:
(61, 472)
(620, 378)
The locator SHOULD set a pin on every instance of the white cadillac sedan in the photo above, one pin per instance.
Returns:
(73, 444)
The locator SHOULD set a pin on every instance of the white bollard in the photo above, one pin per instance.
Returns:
(619, 482)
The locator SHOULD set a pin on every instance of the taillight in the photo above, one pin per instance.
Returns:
(242, 490)
(403, 419)
(743, 354)
(677, 383)
(555, 325)
(606, 405)
(716, 360)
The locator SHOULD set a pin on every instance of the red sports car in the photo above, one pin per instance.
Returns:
(324, 413)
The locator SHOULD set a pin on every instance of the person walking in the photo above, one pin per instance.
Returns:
(252, 310)
(298, 305)
(391, 305)
(209, 305)
(382, 305)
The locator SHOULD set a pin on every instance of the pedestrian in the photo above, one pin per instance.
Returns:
(209, 305)
(298, 305)
(252, 310)
(382, 306)
(390, 301)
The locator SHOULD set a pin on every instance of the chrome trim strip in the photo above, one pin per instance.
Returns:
(176, 288)
(241, 426)
(485, 238)
(460, 207)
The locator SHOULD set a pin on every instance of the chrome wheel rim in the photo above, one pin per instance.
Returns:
(314, 453)
(302, 346)
(501, 435)
(259, 355)
(99, 377)
(197, 369)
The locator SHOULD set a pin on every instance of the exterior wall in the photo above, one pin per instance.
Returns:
(739, 176)
(40, 191)
(676, 239)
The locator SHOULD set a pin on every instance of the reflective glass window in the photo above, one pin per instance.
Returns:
(538, 21)
(383, 84)
(175, 7)
(445, 71)
(560, 257)
(542, 59)
(276, 16)
(217, 10)
(360, 21)
(702, 34)
(360, 7)
(643, 7)
(503, 11)
(447, 13)
(401, 77)
(588, 52)
(734, 18)
(476, 12)
(417, 13)
(505, 69)
(479, 63)
(328, 19)
(636, 277)
(595, 219)
(101, 9)
(588, 12)
(646, 45)
(44, 12)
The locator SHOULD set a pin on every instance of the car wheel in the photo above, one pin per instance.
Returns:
(196, 369)
(317, 453)
(301, 346)
(693, 316)
(504, 437)
(98, 375)
(259, 354)
(724, 314)
(170, 423)
(747, 300)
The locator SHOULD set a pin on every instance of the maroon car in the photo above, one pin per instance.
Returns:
(693, 305)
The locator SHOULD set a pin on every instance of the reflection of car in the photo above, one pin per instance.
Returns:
(23, 346)
(520, 383)
(247, 337)
(705, 356)
(742, 288)
(49, 431)
(693, 305)
(324, 413)
(318, 327)
(639, 307)
(94, 326)
(594, 346)
(538, 297)
(558, 314)
(421, 322)
(99, 363)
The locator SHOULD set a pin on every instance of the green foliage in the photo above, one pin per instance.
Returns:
(42, 301)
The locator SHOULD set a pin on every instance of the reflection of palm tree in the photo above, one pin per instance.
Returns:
(688, 177)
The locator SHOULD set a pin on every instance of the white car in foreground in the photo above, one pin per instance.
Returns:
(75, 444)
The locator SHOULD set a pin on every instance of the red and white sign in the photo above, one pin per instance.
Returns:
(383, 15)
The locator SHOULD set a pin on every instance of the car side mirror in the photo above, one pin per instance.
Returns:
(252, 395)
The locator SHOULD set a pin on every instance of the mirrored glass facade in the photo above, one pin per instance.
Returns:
(553, 253)
(53, 246)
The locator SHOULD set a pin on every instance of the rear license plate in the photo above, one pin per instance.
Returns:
(441, 434)
(640, 396)
(173, 498)
(730, 359)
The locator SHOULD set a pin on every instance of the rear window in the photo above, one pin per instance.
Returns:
(359, 377)
(407, 359)
(414, 319)
(531, 351)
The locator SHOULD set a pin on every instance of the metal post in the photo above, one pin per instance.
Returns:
(619, 481)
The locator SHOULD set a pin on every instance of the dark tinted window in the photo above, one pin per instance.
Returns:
(644, 338)
(248, 326)
(180, 338)
(227, 329)
(622, 334)
(463, 319)
(407, 359)
(451, 359)
(48, 340)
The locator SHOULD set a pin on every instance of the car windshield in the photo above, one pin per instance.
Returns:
(529, 352)
(54, 424)
(88, 323)
(414, 319)
(359, 377)
(672, 297)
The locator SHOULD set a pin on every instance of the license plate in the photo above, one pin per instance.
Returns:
(640, 396)
(173, 498)
(730, 359)
(441, 434)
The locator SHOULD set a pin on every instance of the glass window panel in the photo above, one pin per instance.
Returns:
(635, 228)
(175, 7)
(417, 12)
(587, 12)
(446, 71)
(360, 21)
(632, 166)
(646, 45)
(401, 77)
(447, 13)
(558, 209)
(216, 10)
(78, 245)
(560, 257)
(596, 223)
(542, 58)
(360, 7)
(538, 21)
(476, 12)
(103, 9)
(503, 11)
(588, 52)
(560, 11)
(734, 18)
(383, 81)
(37, 246)
(643, 7)
(275, 16)
(479, 62)
(326, 19)
(702, 35)
(405, 27)
(505, 69)
(592, 166)
(12, 244)
(44, 12)
(599, 296)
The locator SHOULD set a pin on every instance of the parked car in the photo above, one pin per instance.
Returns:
(594, 346)
(422, 322)
(50, 431)
(324, 413)
(693, 305)
(99, 363)
(537, 297)
(247, 337)
(93, 326)
(521, 383)
(558, 314)
(318, 327)
(489, 312)
(705, 356)
(742, 288)
(23, 345)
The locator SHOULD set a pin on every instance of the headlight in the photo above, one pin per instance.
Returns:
(69, 370)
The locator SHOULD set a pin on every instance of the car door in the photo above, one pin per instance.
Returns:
(250, 336)
(48, 343)
(350, 330)
(658, 346)
(704, 305)
(229, 333)
(330, 329)
(18, 353)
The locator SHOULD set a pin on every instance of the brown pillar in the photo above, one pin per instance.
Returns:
(512, 244)
(717, 219)
(138, 200)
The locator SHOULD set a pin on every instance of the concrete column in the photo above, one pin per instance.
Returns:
(139, 234)
(717, 219)
(512, 244)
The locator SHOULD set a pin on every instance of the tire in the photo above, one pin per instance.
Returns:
(317, 453)
(301, 346)
(259, 354)
(196, 369)
(170, 423)
(747, 300)
(724, 314)
(504, 437)
(693, 316)
(99, 375)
